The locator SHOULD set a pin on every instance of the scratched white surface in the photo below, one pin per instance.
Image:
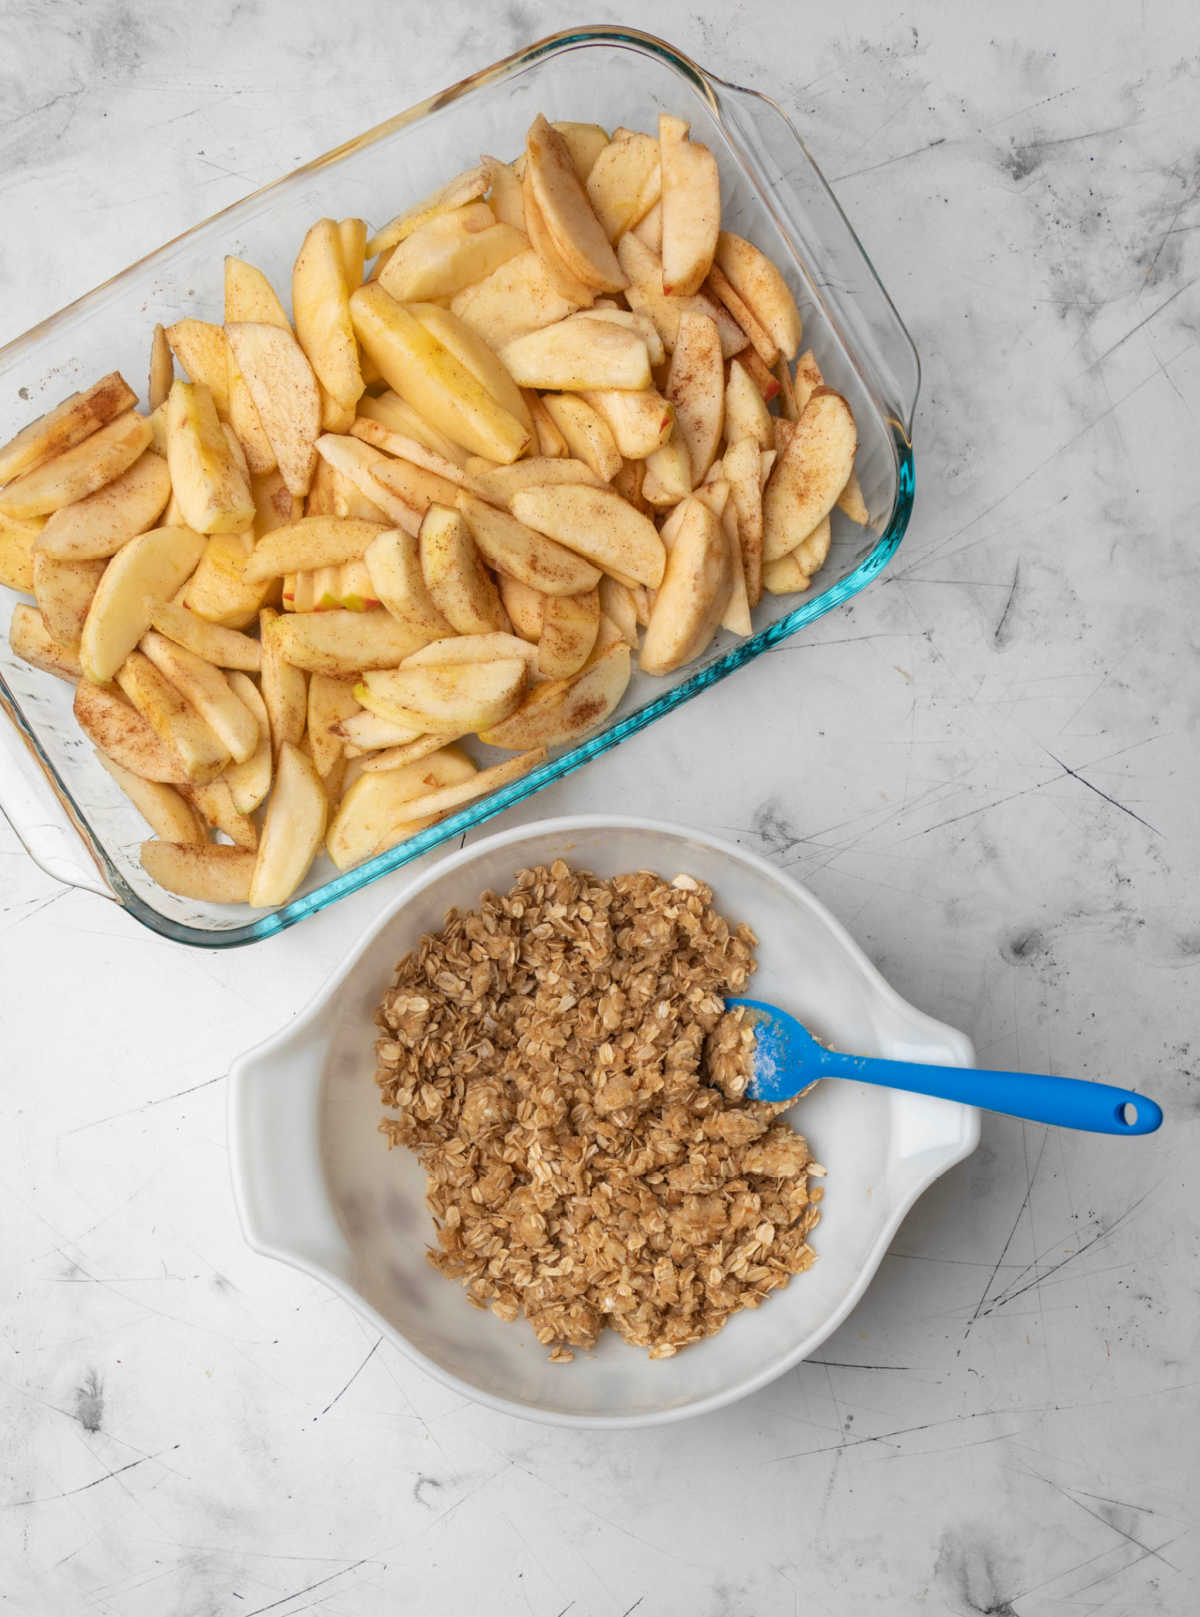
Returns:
(987, 767)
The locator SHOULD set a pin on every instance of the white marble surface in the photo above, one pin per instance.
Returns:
(987, 767)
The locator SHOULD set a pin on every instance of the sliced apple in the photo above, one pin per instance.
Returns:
(618, 606)
(366, 732)
(454, 697)
(292, 830)
(162, 368)
(811, 552)
(504, 192)
(584, 142)
(321, 302)
(806, 379)
(143, 573)
(760, 285)
(696, 387)
(284, 686)
(226, 648)
(285, 393)
(208, 483)
(645, 296)
(18, 537)
(433, 381)
(396, 415)
(173, 718)
(742, 472)
(736, 616)
(746, 413)
(525, 606)
(341, 642)
(636, 320)
(577, 233)
(649, 229)
(330, 701)
(29, 639)
(851, 502)
(474, 648)
(67, 425)
(579, 353)
(596, 523)
(359, 463)
(250, 296)
(410, 752)
(218, 592)
(668, 476)
(498, 484)
(764, 380)
(722, 290)
(456, 193)
(102, 522)
(214, 803)
(121, 732)
(617, 185)
(208, 872)
(586, 433)
(784, 431)
(565, 282)
(517, 297)
(250, 781)
(64, 591)
(75, 473)
(476, 356)
(450, 252)
(694, 592)
(563, 710)
(551, 445)
(691, 207)
(459, 585)
(785, 576)
(435, 805)
(377, 800)
(640, 422)
(418, 487)
(810, 474)
(533, 558)
(570, 624)
(168, 815)
(209, 692)
(201, 348)
(402, 447)
(393, 560)
(310, 542)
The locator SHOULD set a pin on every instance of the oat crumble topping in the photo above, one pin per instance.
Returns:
(561, 1063)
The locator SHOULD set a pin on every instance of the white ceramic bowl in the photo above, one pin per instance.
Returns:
(317, 1188)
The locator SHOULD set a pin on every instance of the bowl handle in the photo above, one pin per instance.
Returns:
(275, 1153)
(39, 811)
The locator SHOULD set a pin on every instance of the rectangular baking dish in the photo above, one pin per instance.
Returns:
(68, 813)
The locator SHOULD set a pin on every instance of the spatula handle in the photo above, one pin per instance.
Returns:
(1068, 1102)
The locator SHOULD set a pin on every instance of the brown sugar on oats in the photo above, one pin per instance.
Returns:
(561, 1062)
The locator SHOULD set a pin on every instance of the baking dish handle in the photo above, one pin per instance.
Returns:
(841, 276)
(38, 812)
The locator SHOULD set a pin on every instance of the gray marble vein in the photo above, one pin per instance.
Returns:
(986, 766)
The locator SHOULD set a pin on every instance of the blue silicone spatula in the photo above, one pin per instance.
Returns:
(787, 1059)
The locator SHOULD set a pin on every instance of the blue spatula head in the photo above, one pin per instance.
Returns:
(786, 1056)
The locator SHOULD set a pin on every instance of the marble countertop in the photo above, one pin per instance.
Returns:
(986, 767)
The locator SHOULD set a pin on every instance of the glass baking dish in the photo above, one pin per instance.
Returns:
(68, 813)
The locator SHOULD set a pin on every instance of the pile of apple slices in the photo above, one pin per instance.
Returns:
(455, 495)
